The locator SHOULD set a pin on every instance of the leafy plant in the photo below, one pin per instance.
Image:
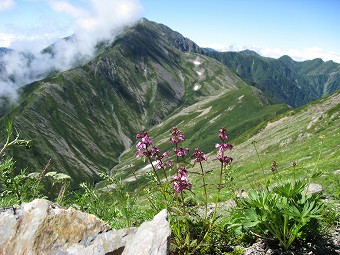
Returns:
(16, 187)
(113, 203)
(285, 213)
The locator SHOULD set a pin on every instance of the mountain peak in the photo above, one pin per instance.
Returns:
(285, 58)
(249, 52)
(172, 37)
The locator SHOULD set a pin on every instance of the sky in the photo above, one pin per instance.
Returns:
(302, 29)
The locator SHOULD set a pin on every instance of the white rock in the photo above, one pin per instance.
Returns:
(42, 227)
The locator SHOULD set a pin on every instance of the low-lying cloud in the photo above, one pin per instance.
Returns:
(6, 4)
(99, 20)
(296, 54)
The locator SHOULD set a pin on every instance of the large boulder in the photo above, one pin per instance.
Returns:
(152, 237)
(42, 227)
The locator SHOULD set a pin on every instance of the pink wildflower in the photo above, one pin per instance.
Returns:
(199, 156)
(180, 181)
(225, 160)
(177, 136)
(223, 134)
(181, 152)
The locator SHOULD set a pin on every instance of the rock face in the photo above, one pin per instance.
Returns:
(41, 227)
(151, 237)
(314, 188)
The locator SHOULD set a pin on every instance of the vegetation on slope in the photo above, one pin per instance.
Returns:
(84, 118)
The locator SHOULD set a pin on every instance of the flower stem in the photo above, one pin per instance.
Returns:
(258, 156)
(205, 192)
(147, 195)
(155, 171)
(161, 187)
(183, 203)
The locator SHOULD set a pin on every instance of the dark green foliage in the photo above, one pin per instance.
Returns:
(285, 213)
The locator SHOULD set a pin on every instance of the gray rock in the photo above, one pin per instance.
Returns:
(314, 188)
(113, 241)
(151, 238)
(41, 227)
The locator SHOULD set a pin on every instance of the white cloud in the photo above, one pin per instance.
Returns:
(296, 54)
(6, 4)
(6, 39)
(100, 21)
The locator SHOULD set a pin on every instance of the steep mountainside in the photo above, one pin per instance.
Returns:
(283, 80)
(323, 76)
(84, 118)
(288, 81)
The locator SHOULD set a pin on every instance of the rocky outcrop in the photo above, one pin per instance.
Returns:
(42, 227)
(314, 188)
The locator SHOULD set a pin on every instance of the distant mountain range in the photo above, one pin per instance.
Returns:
(283, 79)
(85, 119)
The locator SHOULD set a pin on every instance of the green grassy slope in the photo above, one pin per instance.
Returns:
(308, 136)
(238, 111)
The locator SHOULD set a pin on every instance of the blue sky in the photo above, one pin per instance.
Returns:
(303, 29)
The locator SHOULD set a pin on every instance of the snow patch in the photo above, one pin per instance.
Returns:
(197, 87)
(196, 63)
(199, 73)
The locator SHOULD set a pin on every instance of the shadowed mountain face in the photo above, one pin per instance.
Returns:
(86, 118)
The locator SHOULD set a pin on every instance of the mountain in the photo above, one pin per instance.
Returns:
(290, 82)
(84, 118)
(284, 80)
(323, 76)
(149, 78)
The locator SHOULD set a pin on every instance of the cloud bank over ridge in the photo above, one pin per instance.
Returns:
(296, 54)
(99, 20)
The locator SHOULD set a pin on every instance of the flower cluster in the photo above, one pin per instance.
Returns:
(222, 147)
(274, 167)
(177, 137)
(144, 148)
(199, 156)
(143, 144)
(181, 152)
(157, 159)
(180, 181)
